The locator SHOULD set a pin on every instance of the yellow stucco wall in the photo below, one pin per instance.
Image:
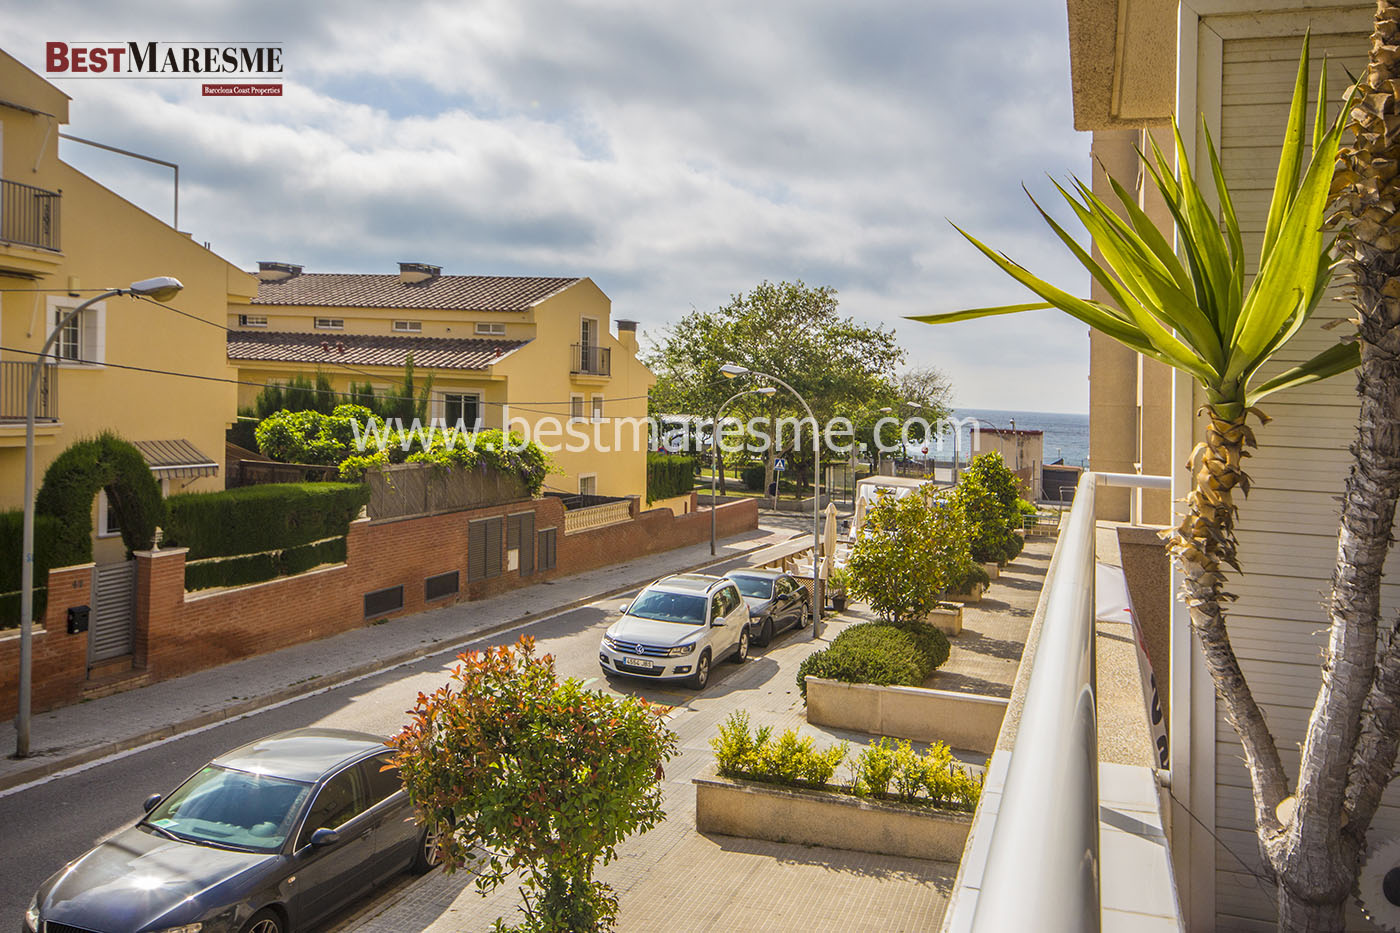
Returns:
(108, 242)
(532, 384)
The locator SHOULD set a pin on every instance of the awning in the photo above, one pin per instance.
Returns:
(176, 459)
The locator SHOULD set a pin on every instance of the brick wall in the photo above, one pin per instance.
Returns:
(179, 633)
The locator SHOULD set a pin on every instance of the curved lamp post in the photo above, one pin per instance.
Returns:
(733, 371)
(714, 451)
(161, 288)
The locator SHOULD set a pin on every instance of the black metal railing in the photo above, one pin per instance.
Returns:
(29, 215)
(591, 360)
(14, 391)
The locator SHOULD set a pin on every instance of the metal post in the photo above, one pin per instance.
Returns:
(26, 571)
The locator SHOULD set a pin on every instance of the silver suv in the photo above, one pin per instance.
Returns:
(677, 628)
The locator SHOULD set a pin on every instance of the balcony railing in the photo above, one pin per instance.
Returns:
(14, 390)
(591, 360)
(29, 215)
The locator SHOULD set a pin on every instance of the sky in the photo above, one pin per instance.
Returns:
(675, 153)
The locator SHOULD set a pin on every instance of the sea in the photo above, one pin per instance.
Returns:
(1066, 435)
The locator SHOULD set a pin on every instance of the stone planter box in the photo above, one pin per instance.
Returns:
(963, 720)
(946, 617)
(993, 570)
(753, 810)
(973, 595)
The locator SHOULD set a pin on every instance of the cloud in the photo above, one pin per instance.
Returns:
(675, 153)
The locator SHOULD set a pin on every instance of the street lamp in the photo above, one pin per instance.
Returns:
(733, 371)
(161, 288)
(714, 451)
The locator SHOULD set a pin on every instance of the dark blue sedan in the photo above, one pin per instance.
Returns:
(268, 838)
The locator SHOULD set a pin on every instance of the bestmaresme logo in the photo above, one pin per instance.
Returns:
(198, 60)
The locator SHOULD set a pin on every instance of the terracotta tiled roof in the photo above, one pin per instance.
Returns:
(368, 349)
(447, 292)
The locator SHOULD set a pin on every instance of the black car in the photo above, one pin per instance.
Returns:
(268, 838)
(775, 600)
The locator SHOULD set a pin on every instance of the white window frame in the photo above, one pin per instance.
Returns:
(408, 327)
(92, 332)
(252, 320)
(588, 476)
(490, 329)
(103, 506)
(578, 410)
(595, 408)
(329, 323)
(440, 407)
(583, 326)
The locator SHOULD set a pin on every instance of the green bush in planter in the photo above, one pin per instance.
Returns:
(882, 653)
(908, 553)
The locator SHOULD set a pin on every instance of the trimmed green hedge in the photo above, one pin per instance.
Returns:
(753, 477)
(882, 653)
(255, 568)
(252, 519)
(11, 547)
(669, 475)
(73, 480)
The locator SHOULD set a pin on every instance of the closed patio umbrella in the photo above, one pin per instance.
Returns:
(829, 542)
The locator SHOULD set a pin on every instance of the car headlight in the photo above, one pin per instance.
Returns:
(681, 650)
(31, 915)
(187, 928)
(609, 643)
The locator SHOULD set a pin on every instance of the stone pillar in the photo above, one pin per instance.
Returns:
(160, 594)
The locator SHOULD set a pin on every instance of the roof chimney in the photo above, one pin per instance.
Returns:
(277, 271)
(418, 273)
(627, 335)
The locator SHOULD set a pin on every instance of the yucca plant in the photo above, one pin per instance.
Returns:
(1195, 309)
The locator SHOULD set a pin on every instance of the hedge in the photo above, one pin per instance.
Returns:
(253, 519)
(255, 568)
(11, 545)
(669, 475)
(753, 477)
(73, 480)
(882, 653)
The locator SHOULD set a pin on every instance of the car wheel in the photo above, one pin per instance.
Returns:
(702, 671)
(765, 634)
(266, 920)
(804, 616)
(741, 654)
(428, 856)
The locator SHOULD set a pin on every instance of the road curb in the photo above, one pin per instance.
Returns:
(325, 682)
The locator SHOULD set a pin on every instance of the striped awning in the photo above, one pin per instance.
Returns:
(176, 459)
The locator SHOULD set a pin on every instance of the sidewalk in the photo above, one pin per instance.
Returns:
(77, 734)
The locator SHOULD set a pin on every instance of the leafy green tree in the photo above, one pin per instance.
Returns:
(910, 550)
(522, 772)
(1196, 309)
(789, 329)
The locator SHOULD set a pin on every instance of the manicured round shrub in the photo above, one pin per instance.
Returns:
(882, 653)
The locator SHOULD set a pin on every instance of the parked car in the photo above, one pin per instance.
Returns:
(677, 628)
(776, 601)
(269, 838)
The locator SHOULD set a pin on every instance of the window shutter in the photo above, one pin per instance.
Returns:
(547, 542)
(493, 547)
(476, 551)
(525, 536)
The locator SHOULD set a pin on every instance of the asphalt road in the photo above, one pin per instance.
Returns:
(44, 827)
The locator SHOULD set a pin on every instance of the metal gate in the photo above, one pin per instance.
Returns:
(113, 611)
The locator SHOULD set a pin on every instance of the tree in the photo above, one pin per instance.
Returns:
(1200, 314)
(926, 386)
(522, 772)
(788, 329)
(910, 551)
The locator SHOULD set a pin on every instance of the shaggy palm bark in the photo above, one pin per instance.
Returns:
(1349, 752)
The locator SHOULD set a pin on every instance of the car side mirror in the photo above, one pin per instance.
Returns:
(152, 802)
(624, 607)
(718, 623)
(325, 837)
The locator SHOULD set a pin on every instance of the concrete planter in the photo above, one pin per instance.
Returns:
(972, 595)
(963, 720)
(946, 617)
(993, 570)
(753, 810)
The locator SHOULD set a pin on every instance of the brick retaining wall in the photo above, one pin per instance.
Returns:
(178, 633)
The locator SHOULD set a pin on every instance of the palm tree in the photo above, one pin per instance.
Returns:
(1197, 312)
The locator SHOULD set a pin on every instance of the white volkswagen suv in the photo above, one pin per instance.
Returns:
(677, 628)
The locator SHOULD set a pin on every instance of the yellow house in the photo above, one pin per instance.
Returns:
(63, 239)
(533, 353)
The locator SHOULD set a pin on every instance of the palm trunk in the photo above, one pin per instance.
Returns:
(1202, 544)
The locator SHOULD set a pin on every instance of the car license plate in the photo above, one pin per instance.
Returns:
(645, 663)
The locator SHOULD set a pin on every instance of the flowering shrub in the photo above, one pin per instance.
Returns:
(525, 773)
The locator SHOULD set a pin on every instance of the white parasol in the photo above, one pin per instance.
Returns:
(829, 542)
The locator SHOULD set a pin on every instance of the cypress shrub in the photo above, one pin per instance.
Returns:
(251, 519)
(752, 476)
(669, 475)
(73, 480)
(256, 568)
(11, 554)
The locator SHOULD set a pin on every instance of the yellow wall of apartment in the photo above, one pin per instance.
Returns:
(108, 242)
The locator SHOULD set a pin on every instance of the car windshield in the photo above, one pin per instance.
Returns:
(686, 608)
(754, 587)
(220, 806)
